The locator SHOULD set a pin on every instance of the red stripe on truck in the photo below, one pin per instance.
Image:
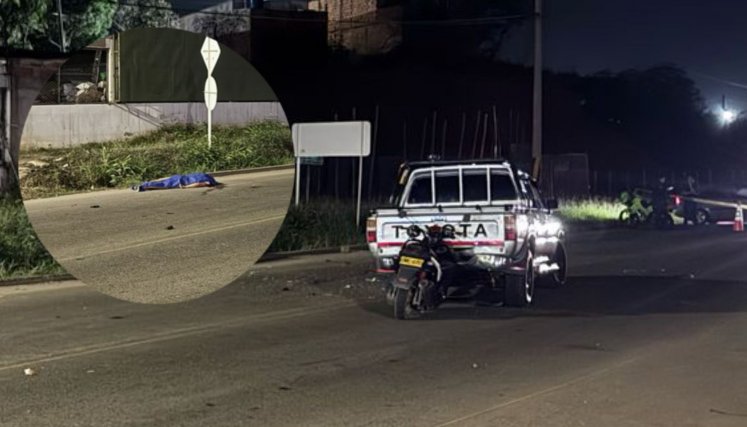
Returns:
(451, 243)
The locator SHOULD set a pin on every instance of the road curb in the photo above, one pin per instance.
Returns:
(272, 256)
(37, 280)
(252, 170)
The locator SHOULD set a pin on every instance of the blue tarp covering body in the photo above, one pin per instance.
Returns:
(198, 179)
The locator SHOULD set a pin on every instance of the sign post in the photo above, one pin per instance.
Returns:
(210, 52)
(332, 139)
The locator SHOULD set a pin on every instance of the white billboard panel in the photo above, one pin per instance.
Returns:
(332, 139)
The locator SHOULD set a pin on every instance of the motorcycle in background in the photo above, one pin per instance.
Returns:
(641, 208)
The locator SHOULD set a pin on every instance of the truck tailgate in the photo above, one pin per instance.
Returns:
(471, 229)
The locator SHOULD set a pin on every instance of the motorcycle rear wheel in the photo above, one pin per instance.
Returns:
(401, 303)
(629, 218)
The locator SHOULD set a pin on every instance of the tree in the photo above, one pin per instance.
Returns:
(90, 22)
(144, 13)
(84, 22)
(20, 22)
(35, 25)
(217, 25)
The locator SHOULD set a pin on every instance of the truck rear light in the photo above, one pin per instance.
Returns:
(509, 225)
(371, 230)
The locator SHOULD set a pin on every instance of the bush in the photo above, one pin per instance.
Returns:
(319, 224)
(21, 252)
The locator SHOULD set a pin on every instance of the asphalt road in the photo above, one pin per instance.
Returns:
(167, 245)
(650, 331)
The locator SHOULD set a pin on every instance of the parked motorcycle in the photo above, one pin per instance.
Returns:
(422, 274)
(641, 209)
(638, 208)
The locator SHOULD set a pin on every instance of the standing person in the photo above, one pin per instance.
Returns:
(660, 204)
(660, 195)
(690, 207)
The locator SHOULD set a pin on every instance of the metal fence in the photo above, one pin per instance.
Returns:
(565, 175)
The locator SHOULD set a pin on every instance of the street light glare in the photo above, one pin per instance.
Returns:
(728, 116)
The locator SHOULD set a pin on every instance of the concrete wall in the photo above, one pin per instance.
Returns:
(68, 125)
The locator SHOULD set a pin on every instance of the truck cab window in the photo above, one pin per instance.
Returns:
(447, 186)
(420, 190)
(474, 185)
(501, 186)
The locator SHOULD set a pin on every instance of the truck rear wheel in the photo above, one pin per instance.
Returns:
(519, 289)
(556, 278)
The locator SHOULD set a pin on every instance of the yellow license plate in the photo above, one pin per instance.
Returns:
(411, 262)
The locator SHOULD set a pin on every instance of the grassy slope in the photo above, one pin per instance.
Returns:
(170, 150)
(589, 210)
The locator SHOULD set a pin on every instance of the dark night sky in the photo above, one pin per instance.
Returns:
(707, 38)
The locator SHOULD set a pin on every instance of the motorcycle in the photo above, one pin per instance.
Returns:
(422, 274)
(641, 209)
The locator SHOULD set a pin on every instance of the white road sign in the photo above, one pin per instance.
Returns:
(210, 52)
(211, 93)
(332, 139)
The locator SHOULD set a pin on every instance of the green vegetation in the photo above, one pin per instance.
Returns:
(319, 224)
(21, 252)
(167, 151)
(589, 210)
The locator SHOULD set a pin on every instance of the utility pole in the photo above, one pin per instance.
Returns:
(63, 42)
(537, 92)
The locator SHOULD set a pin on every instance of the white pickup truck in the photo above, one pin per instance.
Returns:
(499, 216)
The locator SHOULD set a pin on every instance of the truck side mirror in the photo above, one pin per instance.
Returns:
(551, 204)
